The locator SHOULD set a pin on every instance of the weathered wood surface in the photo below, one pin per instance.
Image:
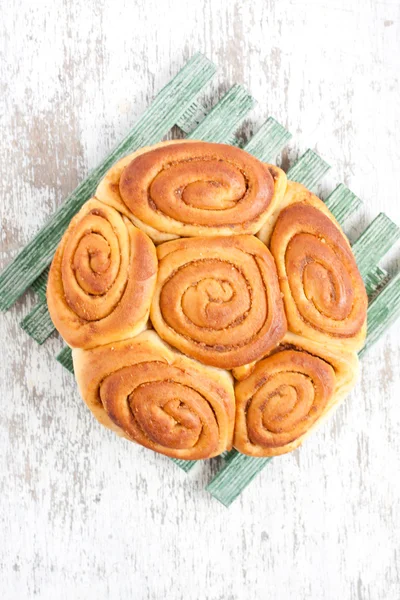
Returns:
(84, 515)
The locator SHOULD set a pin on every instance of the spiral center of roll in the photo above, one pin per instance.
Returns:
(208, 185)
(91, 262)
(291, 390)
(287, 405)
(168, 413)
(208, 302)
(317, 275)
(96, 263)
(213, 294)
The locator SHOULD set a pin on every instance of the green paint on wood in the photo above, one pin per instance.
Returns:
(155, 122)
(342, 203)
(308, 169)
(236, 474)
(374, 281)
(40, 284)
(269, 140)
(382, 312)
(225, 117)
(38, 323)
(374, 242)
(65, 358)
(191, 117)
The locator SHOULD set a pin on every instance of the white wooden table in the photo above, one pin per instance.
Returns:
(84, 515)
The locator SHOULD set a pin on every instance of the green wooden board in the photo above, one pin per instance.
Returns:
(191, 117)
(375, 280)
(382, 312)
(236, 474)
(268, 141)
(226, 116)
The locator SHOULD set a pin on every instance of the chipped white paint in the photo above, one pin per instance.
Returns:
(84, 515)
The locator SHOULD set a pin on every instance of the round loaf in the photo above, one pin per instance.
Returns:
(252, 279)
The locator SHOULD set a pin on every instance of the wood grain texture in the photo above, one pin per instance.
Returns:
(84, 515)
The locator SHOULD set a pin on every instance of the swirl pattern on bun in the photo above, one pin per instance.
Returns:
(102, 278)
(252, 278)
(150, 394)
(218, 299)
(324, 293)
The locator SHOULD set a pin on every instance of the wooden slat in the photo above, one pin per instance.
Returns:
(382, 312)
(185, 465)
(269, 140)
(225, 117)
(237, 473)
(40, 284)
(65, 359)
(191, 117)
(38, 323)
(375, 242)
(308, 169)
(342, 203)
(374, 281)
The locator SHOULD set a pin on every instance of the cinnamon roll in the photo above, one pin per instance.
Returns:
(324, 293)
(150, 394)
(218, 299)
(289, 393)
(102, 278)
(188, 188)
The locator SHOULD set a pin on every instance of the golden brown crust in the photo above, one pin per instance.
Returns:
(218, 300)
(289, 394)
(108, 191)
(200, 189)
(147, 392)
(101, 279)
(324, 294)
